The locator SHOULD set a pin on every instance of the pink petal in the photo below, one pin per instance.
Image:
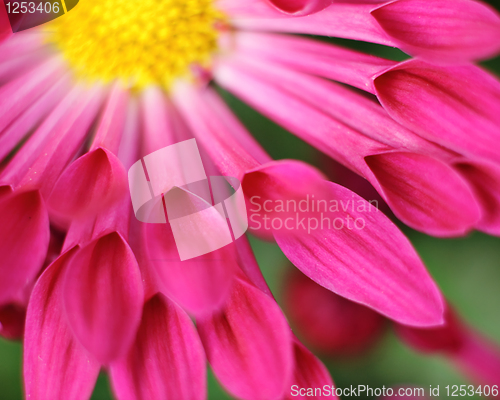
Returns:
(345, 20)
(221, 135)
(53, 145)
(442, 30)
(300, 7)
(17, 95)
(103, 297)
(20, 128)
(425, 193)
(55, 364)
(24, 239)
(89, 185)
(166, 361)
(312, 57)
(309, 372)
(457, 107)
(386, 275)
(200, 285)
(484, 179)
(249, 344)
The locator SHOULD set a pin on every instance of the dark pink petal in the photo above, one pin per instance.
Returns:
(474, 354)
(249, 344)
(24, 239)
(457, 107)
(371, 263)
(103, 297)
(56, 366)
(484, 179)
(12, 318)
(309, 372)
(327, 322)
(425, 193)
(442, 30)
(166, 361)
(300, 7)
(5, 29)
(89, 185)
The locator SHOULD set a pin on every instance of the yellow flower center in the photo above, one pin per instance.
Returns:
(139, 42)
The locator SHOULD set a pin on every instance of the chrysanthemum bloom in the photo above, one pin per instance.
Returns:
(87, 95)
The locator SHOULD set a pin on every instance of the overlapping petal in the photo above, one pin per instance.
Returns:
(248, 344)
(55, 364)
(103, 297)
(442, 30)
(24, 239)
(166, 361)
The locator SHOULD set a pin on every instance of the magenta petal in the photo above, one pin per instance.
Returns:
(24, 240)
(457, 107)
(56, 366)
(300, 7)
(166, 361)
(103, 295)
(426, 193)
(199, 285)
(386, 275)
(484, 179)
(249, 344)
(309, 372)
(442, 30)
(89, 185)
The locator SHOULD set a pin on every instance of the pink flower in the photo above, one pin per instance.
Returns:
(86, 96)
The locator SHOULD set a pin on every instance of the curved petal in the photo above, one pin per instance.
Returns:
(24, 240)
(425, 193)
(56, 366)
(484, 179)
(365, 258)
(103, 297)
(249, 344)
(200, 285)
(309, 372)
(166, 361)
(457, 107)
(442, 30)
(89, 185)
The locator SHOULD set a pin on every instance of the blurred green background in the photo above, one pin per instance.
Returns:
(467, 270)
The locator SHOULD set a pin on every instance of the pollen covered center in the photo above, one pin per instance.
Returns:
(139, 42)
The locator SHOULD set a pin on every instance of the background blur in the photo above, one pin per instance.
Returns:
(467, 270)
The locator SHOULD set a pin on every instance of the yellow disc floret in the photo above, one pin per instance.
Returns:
(139, 42)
